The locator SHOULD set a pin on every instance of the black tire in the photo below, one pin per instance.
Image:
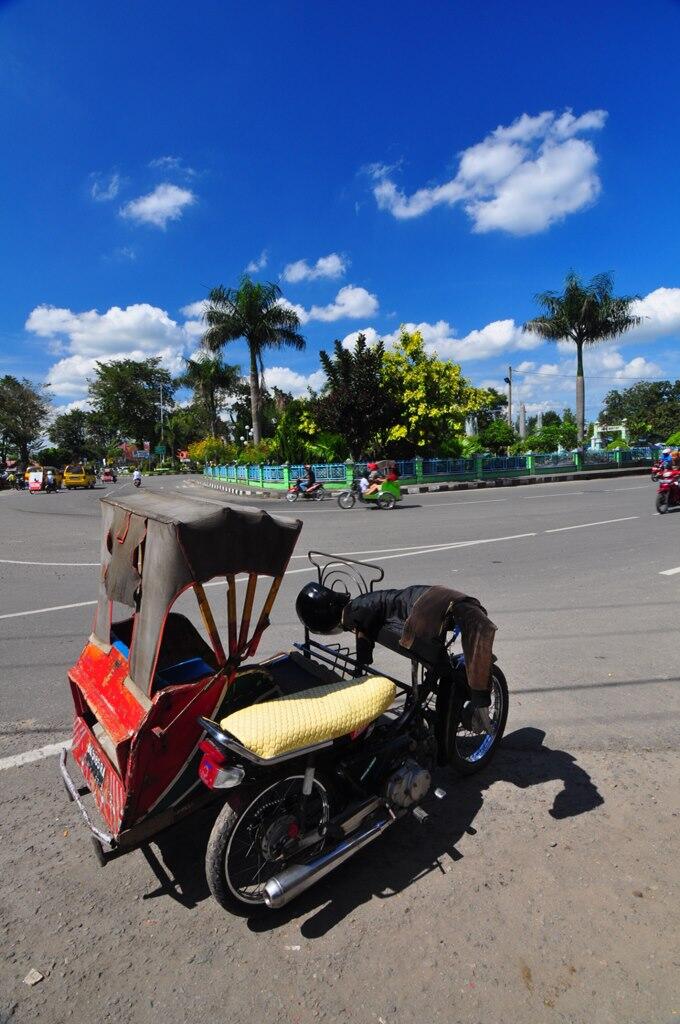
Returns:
(662, 503)
(319, 495)
(346, 499)
(461, 751)
(292, 496)
(386, 501)
(223, 856)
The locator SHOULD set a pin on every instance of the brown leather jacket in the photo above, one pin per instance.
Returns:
(424, 614)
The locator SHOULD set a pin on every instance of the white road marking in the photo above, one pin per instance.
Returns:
(669, 572)
(562, 494)
(41, 611)
(71, 565)
(472, 501)
(581, 526)
(613, 490)
(33, 755)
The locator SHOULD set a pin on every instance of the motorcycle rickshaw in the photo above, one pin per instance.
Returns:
(311, 754)
(385, 498)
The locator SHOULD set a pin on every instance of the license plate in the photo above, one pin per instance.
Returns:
(96, 765)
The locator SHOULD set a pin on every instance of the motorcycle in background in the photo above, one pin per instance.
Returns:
(315, 492)
(668, 494)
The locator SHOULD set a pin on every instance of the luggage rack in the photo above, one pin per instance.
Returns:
(336, 572)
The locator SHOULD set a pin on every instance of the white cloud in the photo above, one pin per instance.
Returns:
(331, 266)
(351, 303)
(172, 163)
(105, 187)
(496, 338)
(369, 333)
(521, 178)
(294, 383)
(136, 332)
(194, 310)
(259, 264)
(660, 312)
(165, 203)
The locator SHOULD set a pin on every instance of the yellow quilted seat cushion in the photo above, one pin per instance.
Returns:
(302, 719)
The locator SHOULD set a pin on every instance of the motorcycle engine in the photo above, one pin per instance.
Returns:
(408, 785)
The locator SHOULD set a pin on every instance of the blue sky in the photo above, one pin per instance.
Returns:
(386, 163)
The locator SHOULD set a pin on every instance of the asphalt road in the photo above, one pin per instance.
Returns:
(545, 889)
(571, 573)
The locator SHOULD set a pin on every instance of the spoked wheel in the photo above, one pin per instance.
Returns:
(292, 496)
(470, 745)
(346, 499)
(319, 495)
(662, 502)
(249, 847)
(386, 501)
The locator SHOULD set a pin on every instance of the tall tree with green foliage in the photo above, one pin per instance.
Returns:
(211, 382)
(497, 437)
(652, 409)
(71, 433)
(354, 401)
(433, 395)
(253, 312)
(126, 396)
(24, 408)
(585, 314)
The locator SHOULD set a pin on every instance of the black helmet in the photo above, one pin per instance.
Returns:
(320, 609)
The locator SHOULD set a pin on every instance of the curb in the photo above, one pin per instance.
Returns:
(456, 485)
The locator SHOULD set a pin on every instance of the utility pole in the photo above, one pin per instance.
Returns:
(508, 381)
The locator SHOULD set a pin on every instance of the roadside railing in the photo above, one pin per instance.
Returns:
(336, 475)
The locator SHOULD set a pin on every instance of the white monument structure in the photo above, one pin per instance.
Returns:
(607, 428)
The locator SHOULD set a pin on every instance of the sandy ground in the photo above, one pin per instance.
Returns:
(546, 889)
(543, 890)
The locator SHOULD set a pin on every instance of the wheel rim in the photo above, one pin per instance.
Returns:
(262, 839)
(346, 500)
(472, 746)
(292, 496)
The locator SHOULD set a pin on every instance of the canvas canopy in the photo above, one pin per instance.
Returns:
(155, 546)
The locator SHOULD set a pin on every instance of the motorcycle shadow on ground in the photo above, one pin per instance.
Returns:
(405, 854)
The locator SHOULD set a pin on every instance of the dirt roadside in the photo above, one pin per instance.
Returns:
(546, 890)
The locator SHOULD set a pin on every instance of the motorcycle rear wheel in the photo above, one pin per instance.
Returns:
(467, 749)
(662, 503)
(319, 495)
(346, 499)
(249, 846)
(386, 501)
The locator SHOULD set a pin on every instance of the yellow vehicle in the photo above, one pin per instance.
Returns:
(78, 474)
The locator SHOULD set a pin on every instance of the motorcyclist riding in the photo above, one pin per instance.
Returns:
(309, 478)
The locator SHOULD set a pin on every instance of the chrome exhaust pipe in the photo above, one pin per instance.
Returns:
(292, 881)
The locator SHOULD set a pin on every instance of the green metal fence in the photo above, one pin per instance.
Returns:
(337, 475)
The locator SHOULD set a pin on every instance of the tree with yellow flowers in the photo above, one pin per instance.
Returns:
(434, 395)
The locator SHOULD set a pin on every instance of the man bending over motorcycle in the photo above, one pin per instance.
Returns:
(413, 620)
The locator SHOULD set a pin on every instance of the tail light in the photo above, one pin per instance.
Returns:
(214, 770)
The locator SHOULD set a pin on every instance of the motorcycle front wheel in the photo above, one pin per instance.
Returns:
(662, 502)
(292, 496)
(346, 499)
(248, 847)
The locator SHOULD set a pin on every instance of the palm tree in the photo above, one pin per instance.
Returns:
(584, 314)
(210, 380)
(251, 311)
